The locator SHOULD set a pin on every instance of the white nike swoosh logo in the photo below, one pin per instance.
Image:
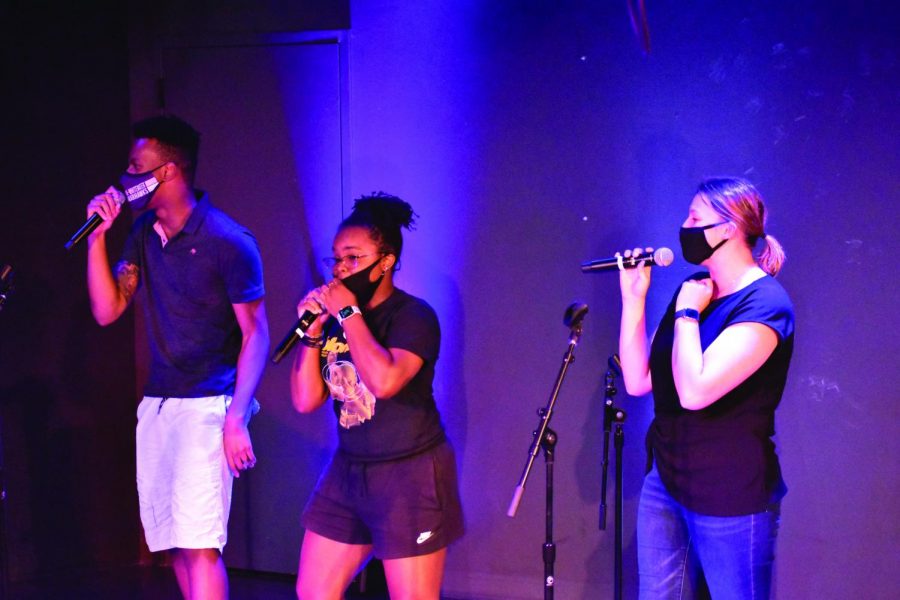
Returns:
(424, 537)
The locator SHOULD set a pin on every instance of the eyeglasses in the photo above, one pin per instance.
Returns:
(350, 261)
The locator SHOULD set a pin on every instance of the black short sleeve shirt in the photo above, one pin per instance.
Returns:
(408, 422)
(721, 460)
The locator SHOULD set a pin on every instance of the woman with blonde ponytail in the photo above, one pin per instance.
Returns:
(717, 367)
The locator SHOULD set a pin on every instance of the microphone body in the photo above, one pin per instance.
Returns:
(91, 224)
(6, 286)
(575, 315)
(293, 336)
(661, 258)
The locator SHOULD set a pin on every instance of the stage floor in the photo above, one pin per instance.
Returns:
(151, 583)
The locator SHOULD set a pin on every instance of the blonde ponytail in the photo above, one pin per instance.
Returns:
(736, 200)
(772, 258)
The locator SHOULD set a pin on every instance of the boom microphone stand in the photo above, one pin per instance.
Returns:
(545, 438)
(611, 414)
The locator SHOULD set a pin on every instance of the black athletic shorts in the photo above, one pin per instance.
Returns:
(405, 507)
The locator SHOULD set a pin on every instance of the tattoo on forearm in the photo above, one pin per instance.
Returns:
(127, 275)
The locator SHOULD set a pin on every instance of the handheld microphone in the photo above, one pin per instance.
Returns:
(572, 319)
(661, 258)
(574, 314)
(6, 284)
(293, 336)
(91, 224)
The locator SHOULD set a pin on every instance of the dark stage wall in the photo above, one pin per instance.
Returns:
(67, 387)
(530, 137)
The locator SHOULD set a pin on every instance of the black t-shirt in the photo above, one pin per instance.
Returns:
(721, 460)
(371, 429)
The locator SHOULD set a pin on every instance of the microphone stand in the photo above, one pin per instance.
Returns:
(6, 288)
(4, 556)
(611, 414)
(545, 438)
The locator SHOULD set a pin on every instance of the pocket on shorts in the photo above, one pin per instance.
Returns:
(144, 406)
(220, 408)
(406, 484)
(425, 471)
(445, 475)
(252, 409)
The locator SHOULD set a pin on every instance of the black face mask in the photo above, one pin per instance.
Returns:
(359, 284)
(694, 246)
(139, 187)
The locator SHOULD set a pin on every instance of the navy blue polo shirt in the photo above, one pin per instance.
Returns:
(188, 287)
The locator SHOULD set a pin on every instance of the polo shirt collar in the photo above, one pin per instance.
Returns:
(198, 214)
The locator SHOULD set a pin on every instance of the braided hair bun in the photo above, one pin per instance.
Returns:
(382, 215)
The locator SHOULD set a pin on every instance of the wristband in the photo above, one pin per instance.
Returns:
(313, 342)
(688, 313)
(347, 312)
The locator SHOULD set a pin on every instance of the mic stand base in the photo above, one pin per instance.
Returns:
(619, 443)
(548, 443)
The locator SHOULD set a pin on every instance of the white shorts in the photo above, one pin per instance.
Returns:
(184, 485)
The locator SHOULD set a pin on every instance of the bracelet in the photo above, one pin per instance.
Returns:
(313, 342)
(691, 314)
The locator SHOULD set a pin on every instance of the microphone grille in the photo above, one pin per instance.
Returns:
(663, 257)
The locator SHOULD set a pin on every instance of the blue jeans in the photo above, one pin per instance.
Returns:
(735, 554)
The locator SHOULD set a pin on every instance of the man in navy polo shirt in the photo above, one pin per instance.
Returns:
(200, 277)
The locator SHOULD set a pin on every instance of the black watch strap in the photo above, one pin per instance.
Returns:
(688, 313)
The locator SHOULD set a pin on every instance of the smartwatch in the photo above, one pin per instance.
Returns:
(348, 311)
(688, 313)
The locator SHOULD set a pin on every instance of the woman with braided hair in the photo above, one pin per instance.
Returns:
(717, 367)
(391, 488)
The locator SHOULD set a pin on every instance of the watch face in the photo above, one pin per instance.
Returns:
(346, 312)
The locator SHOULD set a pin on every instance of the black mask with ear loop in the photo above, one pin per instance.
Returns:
(694, 246)
(139, 187)
(360, 286)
